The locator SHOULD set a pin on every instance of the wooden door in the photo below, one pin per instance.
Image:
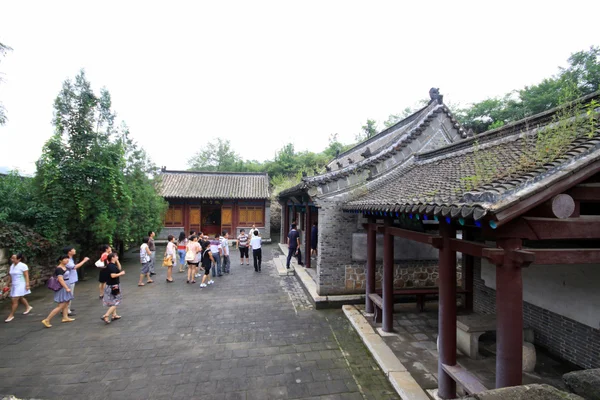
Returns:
(227, 220)
(194, 212)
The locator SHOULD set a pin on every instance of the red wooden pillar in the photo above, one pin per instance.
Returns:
(467, 272)
(509, 314)
(285, 223)
(371, 254)
(307, 233)
(447, 312)
(388, 282)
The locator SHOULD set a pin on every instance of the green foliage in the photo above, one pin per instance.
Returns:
(20, 239)
(368, 130)
(581, 77)
(93, 176)
(217, 156)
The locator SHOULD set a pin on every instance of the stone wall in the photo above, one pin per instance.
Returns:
(407, 274)
(38, 275)
(562, 336)
(334, 248)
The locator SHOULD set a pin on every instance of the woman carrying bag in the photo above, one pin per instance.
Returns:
(112, 292)
(170, 257)
(63, 295)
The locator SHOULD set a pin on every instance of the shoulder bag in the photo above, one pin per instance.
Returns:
(54, 284)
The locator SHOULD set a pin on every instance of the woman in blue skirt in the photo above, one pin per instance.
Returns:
(62, 296)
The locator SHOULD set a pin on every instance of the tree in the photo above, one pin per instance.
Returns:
(217, 156)
(3, 50)
(581, 77)
(93, 176)
(368, 130)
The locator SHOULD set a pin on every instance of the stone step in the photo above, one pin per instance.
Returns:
(280, 265)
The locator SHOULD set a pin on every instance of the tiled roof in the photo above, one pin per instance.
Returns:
(406, 131)
(441, 182)
(214, 185)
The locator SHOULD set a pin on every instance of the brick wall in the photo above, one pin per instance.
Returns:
(562, 336)
(407, 274)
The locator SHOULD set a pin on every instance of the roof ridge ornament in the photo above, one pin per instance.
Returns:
(434, 94)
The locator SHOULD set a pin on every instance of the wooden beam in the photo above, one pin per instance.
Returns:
(496, 256)
(529, 203)
(468, 247)
(535, 228)
(565, 256)
(427, 238)
(467, 380)
(586, 192)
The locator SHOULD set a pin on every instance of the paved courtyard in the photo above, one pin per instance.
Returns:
(249, 336)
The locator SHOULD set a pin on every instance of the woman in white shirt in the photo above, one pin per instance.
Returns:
(171, 252)
(19, 285)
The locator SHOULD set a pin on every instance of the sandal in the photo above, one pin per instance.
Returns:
(150, 281)
(193, 281)
(116, 317)
(141, 284)
(105, 319)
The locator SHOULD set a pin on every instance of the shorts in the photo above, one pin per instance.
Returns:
(193, 264)
(103, 276)
(243, 252)
(206, 270)
(145, 267)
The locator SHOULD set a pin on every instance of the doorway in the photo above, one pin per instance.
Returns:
(211, 220)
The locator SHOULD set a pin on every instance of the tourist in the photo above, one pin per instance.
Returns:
(106, 250)
(215, 249)
(314, 237)
(171, 252)
(207, 261)
(145, 259)
(224, 252)
(256, 244)
(181, 245)
(113, 293)
(293, 240)
(18, 279)
(243, 246)
(63, 295)
(152, 248)
(192, 256)
(73, 276)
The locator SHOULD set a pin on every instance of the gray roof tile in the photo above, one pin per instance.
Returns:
(214, 185)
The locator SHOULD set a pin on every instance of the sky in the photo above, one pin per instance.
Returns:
(265, 73)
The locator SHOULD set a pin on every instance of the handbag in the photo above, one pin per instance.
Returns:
(167, 260)
(54, 284)
(115, 290)
(100, 264)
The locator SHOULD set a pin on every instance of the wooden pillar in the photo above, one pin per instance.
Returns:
(447, 312)
(307, 234)
(388, 282)
(467, 273)
(509, 314)
(371, 259)
(285, 222)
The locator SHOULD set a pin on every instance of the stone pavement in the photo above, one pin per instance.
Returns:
(249, 336)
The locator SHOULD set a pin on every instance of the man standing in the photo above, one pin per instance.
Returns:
(256, 244)
(243, 246)
(215, 249)
(224, 239)
(293, 240)
(152, 248)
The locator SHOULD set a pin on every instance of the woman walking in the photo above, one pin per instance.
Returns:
(145, 259)
(73, 276)
(106, 250)
(19, 285)
(193, 248)
(113, 293)
(207, 261)
(171, 252)
(181, 245)
(63, 295)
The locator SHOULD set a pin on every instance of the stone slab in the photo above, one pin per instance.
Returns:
(525, 392)
(585, 383)
(407, 387)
